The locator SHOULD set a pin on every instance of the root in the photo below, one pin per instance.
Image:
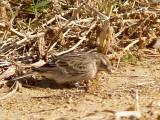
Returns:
(15, 87)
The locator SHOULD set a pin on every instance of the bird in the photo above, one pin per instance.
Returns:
(155, 43)
(74, 66)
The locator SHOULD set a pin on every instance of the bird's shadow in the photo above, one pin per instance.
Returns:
(48, 83)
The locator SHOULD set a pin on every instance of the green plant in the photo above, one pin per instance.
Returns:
(36, 6)
(130, 59)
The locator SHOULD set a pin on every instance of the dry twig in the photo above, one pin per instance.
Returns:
(16, 85)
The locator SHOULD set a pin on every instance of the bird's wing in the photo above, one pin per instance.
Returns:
(69, 64)
(74, 64)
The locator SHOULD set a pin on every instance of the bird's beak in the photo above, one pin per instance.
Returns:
(109, 70)
(113, 72)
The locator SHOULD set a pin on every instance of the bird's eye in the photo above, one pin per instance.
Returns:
(104, 65)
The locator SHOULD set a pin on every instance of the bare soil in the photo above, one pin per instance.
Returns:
(110, 92)
(29, 28)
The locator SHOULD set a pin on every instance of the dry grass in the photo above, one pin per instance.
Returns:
(31, 34)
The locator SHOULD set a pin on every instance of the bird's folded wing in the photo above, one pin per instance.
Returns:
(71, 65)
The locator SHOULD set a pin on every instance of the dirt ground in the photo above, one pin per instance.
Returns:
(111, 92)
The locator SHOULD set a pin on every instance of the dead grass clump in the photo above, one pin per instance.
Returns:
(33, 32)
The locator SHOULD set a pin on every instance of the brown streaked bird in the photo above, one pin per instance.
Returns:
(155, 43)
(73, 66)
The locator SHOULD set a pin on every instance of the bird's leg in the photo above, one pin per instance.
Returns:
(92, 85)
(89, 86)
(86, 88)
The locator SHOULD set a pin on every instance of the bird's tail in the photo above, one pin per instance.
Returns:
(24, 76)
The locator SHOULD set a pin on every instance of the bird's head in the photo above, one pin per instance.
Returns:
(103, 63)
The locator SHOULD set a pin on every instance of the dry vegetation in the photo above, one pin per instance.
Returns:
(33, 32)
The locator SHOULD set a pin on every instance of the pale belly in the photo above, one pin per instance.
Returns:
(59, 78)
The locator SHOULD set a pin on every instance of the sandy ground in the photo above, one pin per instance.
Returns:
(111, 92)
